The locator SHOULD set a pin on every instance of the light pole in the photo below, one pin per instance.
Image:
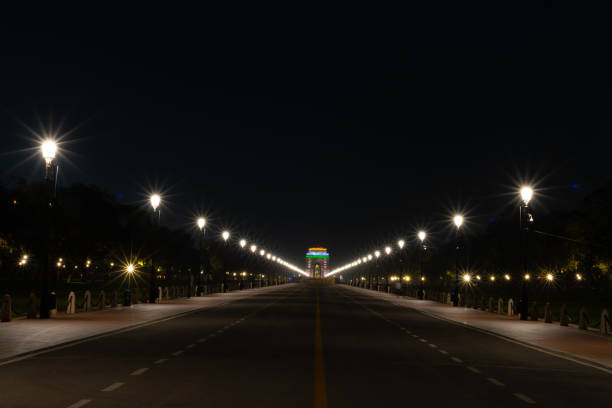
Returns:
(377, 255)
(388, 252)
(155, 201)
(422, 235)
(526, 221)
(458, 221)
(225, 235)
(401, 244)
(48, 149)
(201, 222)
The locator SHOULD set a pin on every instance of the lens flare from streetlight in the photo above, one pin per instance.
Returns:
(155, 201)
(526, 194)
(48, 149)
(130, 268)
(507, 277)
(225, 235)
(388, 250)
(377, 253)
(262, 252)
(401, 243)
(550, 277)
(243, 243)
(201, 223)
(467, 278)
(527, 276)
(422, 235)
(578, 276)
(492, 278)
(458, 220)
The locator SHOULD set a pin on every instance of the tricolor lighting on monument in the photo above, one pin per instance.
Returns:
(317, 262)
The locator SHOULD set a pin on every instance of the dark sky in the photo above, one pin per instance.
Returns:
(300, 125)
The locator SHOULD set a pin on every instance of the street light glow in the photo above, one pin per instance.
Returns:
(242, 243)
(527, 276)
(130, 268)
(262, 252)
(155, 201)
(526, 194)
(458, 220)
(201, 223)
(467, 277)
(388, 250)
(550, 277)
(225, 235)
(377, 254)
(253, 248)
(401, 243)
(422, 235)
(48, 149)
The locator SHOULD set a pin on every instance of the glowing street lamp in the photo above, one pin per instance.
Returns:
(253, 248)
(155, 200)
(526, 194)
(526, 220)
(130, 268)
(401, 243)
(48, 149)
(243, 243)
(225, 235)
(458, 221)
(201, 223)
(421, 234)
(388, 250)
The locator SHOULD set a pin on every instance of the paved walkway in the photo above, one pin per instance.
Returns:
(25, 336)
(569, 341)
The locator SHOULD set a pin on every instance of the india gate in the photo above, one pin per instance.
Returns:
(317, 262)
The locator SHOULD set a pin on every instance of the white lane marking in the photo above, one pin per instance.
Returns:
(496, 382)
(473, 369)
(408, 332)
(415, 336)
(457, 360)
(80, 403)
(212, 334)
(443, 352)
(423, 340)
(140, 371)
(177, 353)
(202, 340)
(161, 361)
(432, 345)
(192, 345)
(524, 398)
(113, 387)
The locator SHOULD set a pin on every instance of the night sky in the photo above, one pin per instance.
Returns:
(344, 127)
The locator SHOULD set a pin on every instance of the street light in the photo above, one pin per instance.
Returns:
(526, 222)
(243, 243)
(155, 201)
(421, 234)
(48, 149)
(458, 221)
(225, 235)
(201, 222)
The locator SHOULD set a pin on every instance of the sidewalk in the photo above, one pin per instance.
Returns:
(26, 336)
(567, 341)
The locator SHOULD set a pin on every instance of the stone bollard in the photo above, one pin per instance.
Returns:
(490, 308)
(534, 312)
(449, 299)
(510, 307)
(500, 306)
(6, 312)
(547, 313)
(563, 320)
(87, 301)
(166, 293)
(160, 294)
(71, 304)
(115, 299)
(32, 306)
(101, 300)
(604, 325)
(583, 322)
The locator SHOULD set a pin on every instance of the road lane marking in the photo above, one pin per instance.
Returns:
(524, 398)
(177, 353)
(432, 345)
(443, 352)
(202, 340)
(161, 361)
(192, 345)
(457, 360)
(496, 382)
(415, 336)
(140, 371)
(320, 393)
(80, 403)
(113, 387)
(473, 369)
(423, 340)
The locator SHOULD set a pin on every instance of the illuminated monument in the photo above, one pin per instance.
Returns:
(317, 262)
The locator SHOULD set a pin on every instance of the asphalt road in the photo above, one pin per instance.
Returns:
(301, 346)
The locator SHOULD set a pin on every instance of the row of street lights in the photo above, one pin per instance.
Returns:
(49, 151)
(526, 222)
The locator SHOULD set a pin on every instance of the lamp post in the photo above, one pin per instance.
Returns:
(377, 255)
(526, 221)
(388, 252)
(401, 244)
(458, 221)
(422, 235)
(225, 235)
(47, 302)
(201, 222)
(155, 201)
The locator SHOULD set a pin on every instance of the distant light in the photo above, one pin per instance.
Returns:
(550, 277)
(467, 277)
(48, 149)
(262, 252)
(155, 201)
(407, 278)
(507, 277)
(527, 276)
(201, 223)
(422, 235)
(268, 255)
(401, 243)
(225, 235)
(369, 257)
(423, 278)
(458, 220)
(388, 250)
(492, 278)
(377, 254)
(364, 259)
(526, 194)
(130, 268)
(253, 248)
(242, 243)
(477, 277)
(274, 258)
(578, 276)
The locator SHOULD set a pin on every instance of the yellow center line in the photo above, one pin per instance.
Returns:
(320, 395)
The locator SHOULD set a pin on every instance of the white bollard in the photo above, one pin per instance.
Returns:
(604, 326)
(87, 301)
(510, 307)
(71, 304)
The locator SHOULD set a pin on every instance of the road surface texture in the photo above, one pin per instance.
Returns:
(307, 345)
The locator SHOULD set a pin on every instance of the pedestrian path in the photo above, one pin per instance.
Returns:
(570, 342)
(22, 337)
